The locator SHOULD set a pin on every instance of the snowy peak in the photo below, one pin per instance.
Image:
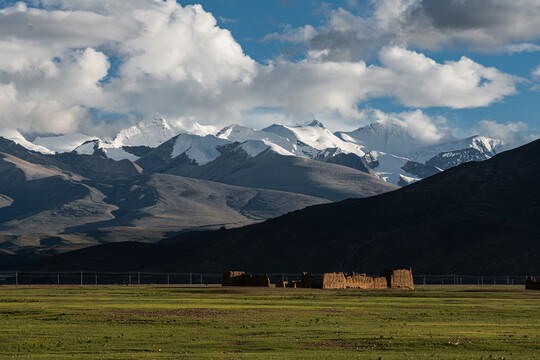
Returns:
(484, 145)
(201, 150)
(18, 138)
(316, 123)
(314, 135)
(100, 148)
(389, 137)
(449, 159)
(154, 132)
(149, 133)
(63, 143)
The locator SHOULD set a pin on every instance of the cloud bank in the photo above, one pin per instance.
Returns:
(63, 61)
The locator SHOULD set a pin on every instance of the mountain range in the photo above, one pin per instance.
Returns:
(476, 218)
(159, 178)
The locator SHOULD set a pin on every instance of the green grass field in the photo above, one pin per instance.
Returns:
(160, 322)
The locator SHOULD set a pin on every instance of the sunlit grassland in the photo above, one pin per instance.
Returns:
(160, 322)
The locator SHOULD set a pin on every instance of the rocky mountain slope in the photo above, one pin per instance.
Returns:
(476, 218)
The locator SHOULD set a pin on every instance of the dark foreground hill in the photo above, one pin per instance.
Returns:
(477, 218)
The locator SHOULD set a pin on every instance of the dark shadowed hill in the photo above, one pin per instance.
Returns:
(477, 218)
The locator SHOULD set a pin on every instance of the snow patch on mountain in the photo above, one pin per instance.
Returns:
(99, 147)
(63, 143)
(316, 136)
(18, 138)
(389, 167)
(200, 149)
(388, 137)
(154, 132)
(483, 144)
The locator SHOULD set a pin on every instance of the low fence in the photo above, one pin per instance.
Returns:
(152, 278)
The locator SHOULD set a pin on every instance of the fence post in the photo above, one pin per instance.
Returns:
(96, 279)
(57, 279)
(424, 279)
(16, 278)
(201, 279)
(81, 278)
(190, 279)
(494, 281)
(508, 280)
(168, 280)
(130, 279)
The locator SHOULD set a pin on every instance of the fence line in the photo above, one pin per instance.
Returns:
(157, 278)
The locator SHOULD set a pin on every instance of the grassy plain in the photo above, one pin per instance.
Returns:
(168, 322)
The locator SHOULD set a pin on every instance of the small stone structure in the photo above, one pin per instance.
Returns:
(532, 284)
(240, 278)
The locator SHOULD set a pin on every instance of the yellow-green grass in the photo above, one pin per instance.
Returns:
(167, 322)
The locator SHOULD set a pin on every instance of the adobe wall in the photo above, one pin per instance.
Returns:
(399, 278)
(380, 283)
(334, 281)
(532, 284)
(342, 280)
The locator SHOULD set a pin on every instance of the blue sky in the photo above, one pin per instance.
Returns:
(464, 66)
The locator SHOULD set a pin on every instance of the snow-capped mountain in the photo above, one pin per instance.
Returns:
(398, 170)
(311, 141)
(447, 160)
(99, 147)
(148, 132)
(396, 156)
(201, 150)
(316, 136)
(18, 138)
(484, 145)
(387, 137)
(63, 143)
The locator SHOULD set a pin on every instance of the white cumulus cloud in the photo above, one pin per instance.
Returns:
(511, 133)
(64, 60)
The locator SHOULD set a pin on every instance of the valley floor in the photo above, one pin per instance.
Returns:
(166, 322)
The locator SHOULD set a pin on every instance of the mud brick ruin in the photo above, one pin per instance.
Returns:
(399, 278)
(239, 278)
(532, 284)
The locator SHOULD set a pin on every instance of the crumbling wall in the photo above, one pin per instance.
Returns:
(399, 278)
(358, 281)
(532, 284)
(380, 283)
(342, 280)
(239, 278)
(334, 281)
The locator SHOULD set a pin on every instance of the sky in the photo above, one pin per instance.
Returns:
(444, 69)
